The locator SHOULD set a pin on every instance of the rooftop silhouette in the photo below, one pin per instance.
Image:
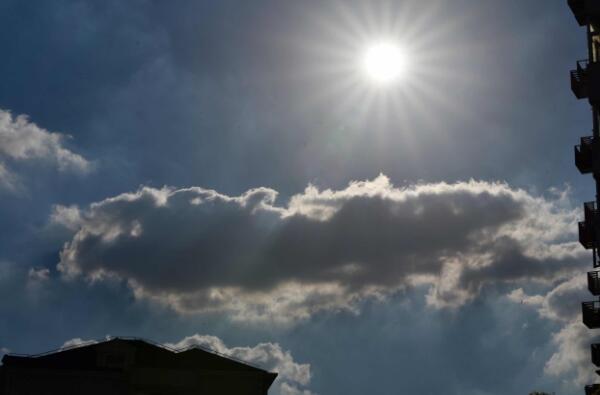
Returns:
(131, 366)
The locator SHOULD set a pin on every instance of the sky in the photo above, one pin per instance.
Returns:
(226, 174)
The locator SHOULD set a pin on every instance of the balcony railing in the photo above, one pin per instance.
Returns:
(586, 236)
(595, 354)
(584, 155)
(579, 80)
(589, 212)
(587, 227)
(593, 389)
(594, 283)
(591, 314)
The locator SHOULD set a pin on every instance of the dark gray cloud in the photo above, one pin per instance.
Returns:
(198, 250)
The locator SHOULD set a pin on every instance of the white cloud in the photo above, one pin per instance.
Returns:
(38, 274)
(293, 377)
(8, 180)
(573, 358)
(519, 296)
(22, 140)
(562, 304)
(67, 216)
(77, 342)
(287, 389)
(200, 251)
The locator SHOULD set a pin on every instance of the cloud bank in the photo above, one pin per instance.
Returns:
(24, 141)
(198, 250)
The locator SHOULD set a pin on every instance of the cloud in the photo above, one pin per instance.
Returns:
(293, 377)
(572, 359)
(38, 274)
(22, 141)
(8, 180)
(519, 296)
(68, 217)
(198, 250)
(77, 342)
(561, 304)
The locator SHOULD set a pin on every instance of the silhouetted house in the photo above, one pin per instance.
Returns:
(130, 366)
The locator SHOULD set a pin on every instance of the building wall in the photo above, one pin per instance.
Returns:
(54, 382)
(136, 382)
(147, 380)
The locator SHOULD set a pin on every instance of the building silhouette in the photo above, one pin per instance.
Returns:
(585, 84)
(130, 366)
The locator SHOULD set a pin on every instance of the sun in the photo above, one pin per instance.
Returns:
(384, 62)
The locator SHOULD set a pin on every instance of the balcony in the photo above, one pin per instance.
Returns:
(584, 157)
(587, 227)
(591, 314)
(586, 236)
(596, 354)
(579, 80)
(593, 389)
(589, 212)
(585, 81)
(585, 11)
(594, 283)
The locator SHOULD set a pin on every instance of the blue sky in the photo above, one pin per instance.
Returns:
(222, 173)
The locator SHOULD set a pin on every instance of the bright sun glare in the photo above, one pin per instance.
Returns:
(384, 62)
